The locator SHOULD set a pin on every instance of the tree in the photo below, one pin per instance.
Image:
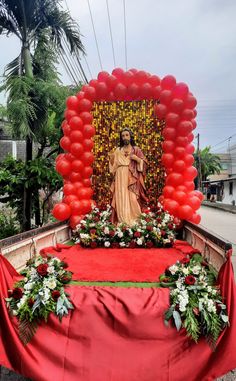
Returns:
(30, 21)
(209, 162)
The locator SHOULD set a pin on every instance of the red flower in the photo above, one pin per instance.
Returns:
(163, 233)
(124, 228)
(137, 234)
(31, 302)
(111, 233)
(148, 219)
(115, 245)
(96, 219)
(42, 269)
(190, 279)
(17, 293)
(158, 220)
(218, 308)
(149, 244)
(93, 244)
(64, 265)
(93, 231)
(146, 211)
(185, 261)
(55, 294)
(132, 244)
(170, 226)
(150, 228)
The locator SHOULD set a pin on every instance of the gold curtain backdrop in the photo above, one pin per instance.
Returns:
(109, 119)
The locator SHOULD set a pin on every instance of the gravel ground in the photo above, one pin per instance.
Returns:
(8, 375)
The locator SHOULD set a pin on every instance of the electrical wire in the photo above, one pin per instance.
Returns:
(126, 66)
(109, 20)
(94, 32)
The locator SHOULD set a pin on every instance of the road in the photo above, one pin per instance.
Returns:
(222, 223)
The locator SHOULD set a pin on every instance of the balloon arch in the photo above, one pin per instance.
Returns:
(173, 105)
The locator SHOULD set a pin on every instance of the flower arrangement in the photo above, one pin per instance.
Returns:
(195, 301)
(40, 292)
(155, 228)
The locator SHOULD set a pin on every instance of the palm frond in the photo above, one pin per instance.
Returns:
(15, 67)
(8, 21)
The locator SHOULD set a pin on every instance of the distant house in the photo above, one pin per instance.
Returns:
(8, 145)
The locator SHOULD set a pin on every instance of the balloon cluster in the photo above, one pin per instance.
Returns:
(176, 106)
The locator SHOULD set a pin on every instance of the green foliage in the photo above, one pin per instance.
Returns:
(8, 224)
(210, 163)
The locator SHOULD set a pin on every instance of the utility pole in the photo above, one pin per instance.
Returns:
(199, 176)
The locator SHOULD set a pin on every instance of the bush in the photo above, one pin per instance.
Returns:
(8, 225)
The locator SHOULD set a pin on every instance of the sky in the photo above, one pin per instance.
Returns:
(194, 40)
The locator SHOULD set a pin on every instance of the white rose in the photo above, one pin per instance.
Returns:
(107, 244)
(120, 234)
(173, 269)
(122, 244)
(50, 269)
(106, 230)
(139, 241)
(50, 283)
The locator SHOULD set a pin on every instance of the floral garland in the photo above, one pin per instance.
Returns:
(195, 300)
(40, 292)
(155, 228)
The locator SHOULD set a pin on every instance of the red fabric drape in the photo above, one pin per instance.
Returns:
(115, 334)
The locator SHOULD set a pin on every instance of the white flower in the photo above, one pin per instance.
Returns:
(106, 230)
(211, 306)
(51, 269)
(196, 269)
(122, 244)
(139, 241)
(107, 244)
(185, 270)
(50, 283)
(130, 232)
(84, 236)
(173, 269)
(29, 286)
(120, 234)
(92, 224)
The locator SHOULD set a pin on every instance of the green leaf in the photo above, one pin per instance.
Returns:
(177, 320)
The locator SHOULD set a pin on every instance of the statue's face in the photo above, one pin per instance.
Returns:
(125, 136)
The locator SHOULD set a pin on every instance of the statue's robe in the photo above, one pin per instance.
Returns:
(128, 189)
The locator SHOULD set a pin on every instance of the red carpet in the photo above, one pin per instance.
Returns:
(136, 265)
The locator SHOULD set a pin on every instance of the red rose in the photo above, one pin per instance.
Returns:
(64, 265)
(185, 260)
(149, 244)
(93, 244)
(9, 293)
(17, 293)
(163, 233)
(170, 226)
(115, 245)
(218, 308)
(190, 279)
(146, 211)
(148, 219)
(96, 219)
(55, 294)
(132, 244)
(42, 269)
(31, 302)
(93, 231)
(124, 228)
(158, 220)
(150, 228)
(111, 233)
(137, 234)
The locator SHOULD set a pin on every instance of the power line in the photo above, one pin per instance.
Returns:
(109, 19)
(125, 35)
(225, 140)
(67, 68)
(88, 66)
(91, 16)
(73, 65)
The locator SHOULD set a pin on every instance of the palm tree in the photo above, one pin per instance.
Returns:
(209, 163)
(28, 20)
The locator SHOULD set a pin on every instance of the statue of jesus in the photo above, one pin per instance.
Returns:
(128, 165)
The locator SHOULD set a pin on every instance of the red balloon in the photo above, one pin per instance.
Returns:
(111, 97)
(133, 91)
(75, 220)
(60, 156)
(161, 199)
(180, 90)
(190, 102)
(174, 179)
(154, 80)
(111, 82)
(86, 206)
(166, 97)
(87, 158)
(156, 91)
(171, 206)
(185, 212)
(66, 129)
(196, 218)
(181, 188)
(86, 117)
(146, 91)
(172, 119)
(72, 102)
(87, 172)
(93, 82)
(189, 185)
(179, 196)
(78, 185)
(168, 146)
(120, 91)
(76, 149)
(194, 202)
(88, 144)
(190, 137)
(61, 211)
(76, 136)
(76, 123)
(181, 141)
(190, 149)
(101, 90)
(70, 198)
(63, 167)
(128, 77)
(194, 123)
(80, 95)
(179, 152)
(85, 105)
(69, 189)
(198, 194)
(168, 82)
(69, 157)
(167, 159)
(188, 159)
(84, 193)
(160, 110)
(141, 77)
(76, 208)
(179, 166)
(89, 92)
(190, 173)
(68, 114)
(187, 114)
(118, 72)
(168, 191)
(103, 75)
(74, 177)
(88, 131)
(65, 143)
(177, 105)
(184, 128)
(77, 165)
(169, 133)
(87, 182)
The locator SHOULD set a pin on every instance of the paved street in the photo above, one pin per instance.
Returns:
(222, 223)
